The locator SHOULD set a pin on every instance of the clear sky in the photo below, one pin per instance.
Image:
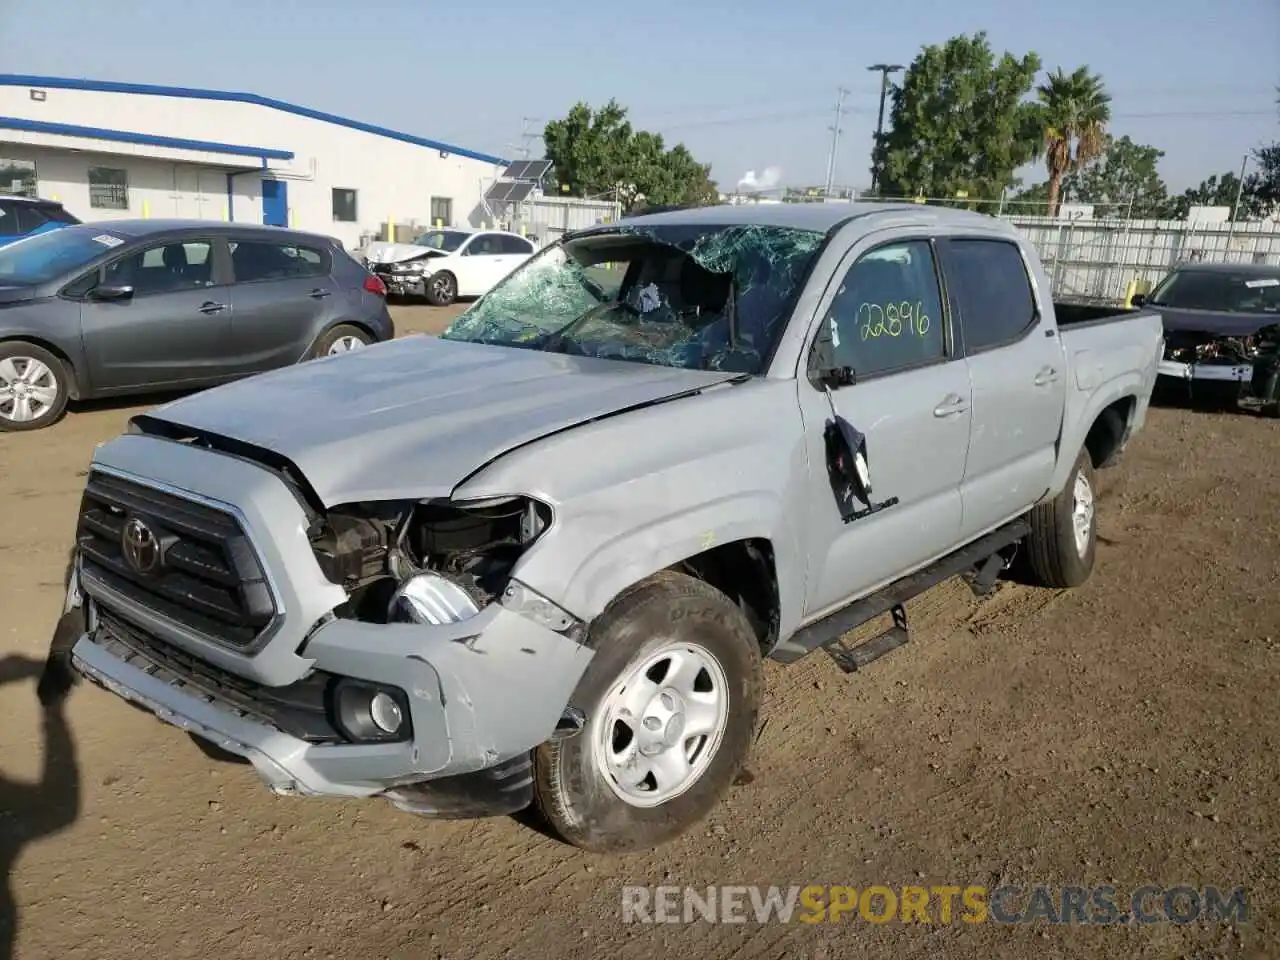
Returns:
(745, 85)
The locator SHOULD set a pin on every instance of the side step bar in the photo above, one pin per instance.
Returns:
(982, 555)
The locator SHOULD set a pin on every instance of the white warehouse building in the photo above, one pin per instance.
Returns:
(123, 150)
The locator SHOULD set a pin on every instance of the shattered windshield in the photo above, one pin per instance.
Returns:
(1219, 290)
(447, 240)
(698, 297)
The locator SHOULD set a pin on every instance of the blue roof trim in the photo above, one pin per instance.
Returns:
(195, 93)
(127, 136)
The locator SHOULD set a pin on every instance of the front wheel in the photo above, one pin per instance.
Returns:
(1064, 531)
(671, 699)
(34, 387)
(442, 289)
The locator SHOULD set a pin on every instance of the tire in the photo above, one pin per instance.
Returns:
(39, 403)
(442, 289)
(670, 617)
(1055, 556)
(338, 340)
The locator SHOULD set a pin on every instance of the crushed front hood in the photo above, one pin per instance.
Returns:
(1214, 322)
(414, 417)
(381, 252)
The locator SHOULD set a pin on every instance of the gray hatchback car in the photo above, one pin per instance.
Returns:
(124, 307)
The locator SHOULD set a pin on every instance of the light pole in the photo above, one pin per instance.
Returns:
(884, 70)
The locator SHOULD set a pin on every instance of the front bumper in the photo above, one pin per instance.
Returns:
(481, 694)
(404, 284)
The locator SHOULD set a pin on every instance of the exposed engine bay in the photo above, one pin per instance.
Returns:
(1255, 358)
(378, 551)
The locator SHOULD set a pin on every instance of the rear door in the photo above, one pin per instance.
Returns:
(283, 294)
(1019, 379)
(910, 399)
(174, 329)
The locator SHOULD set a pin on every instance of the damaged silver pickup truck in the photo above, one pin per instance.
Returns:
(539, 559)
(1222, 333)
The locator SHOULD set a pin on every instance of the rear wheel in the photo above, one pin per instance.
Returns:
(34, 387)
(1064, 531)
(671, 699)
(340, 339)
(442, 289)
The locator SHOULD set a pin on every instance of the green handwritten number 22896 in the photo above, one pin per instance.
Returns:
(892, 320)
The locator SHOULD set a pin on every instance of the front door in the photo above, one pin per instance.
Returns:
(275, 203)
(910, 400)
(481, 264)
(176, 327)
(1017, 368)
(283, 293)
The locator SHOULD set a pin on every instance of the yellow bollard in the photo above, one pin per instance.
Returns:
(146, 209)
(1130, 289)
(524, 230)
(391, 229)
(293, 217)
(439, 222)
(53, 197)
(226, 214)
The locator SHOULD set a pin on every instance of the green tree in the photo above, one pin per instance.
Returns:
(1221, 190)
(597, 153)
(1123, 181)
(960, 121)
(1075, 110)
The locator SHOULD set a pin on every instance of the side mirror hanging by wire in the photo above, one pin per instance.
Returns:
(849, 469)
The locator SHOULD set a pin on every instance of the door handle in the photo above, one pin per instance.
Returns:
(950, 406)
(210, 307)
(1046, 376)
(318, 293)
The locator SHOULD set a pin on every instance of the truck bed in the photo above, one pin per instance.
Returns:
(1075, 313)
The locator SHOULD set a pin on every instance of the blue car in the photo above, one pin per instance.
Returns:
(23, 216)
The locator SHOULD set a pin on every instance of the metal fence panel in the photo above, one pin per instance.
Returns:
(1099, 259)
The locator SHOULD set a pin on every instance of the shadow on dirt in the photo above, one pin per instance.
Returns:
(34, 810)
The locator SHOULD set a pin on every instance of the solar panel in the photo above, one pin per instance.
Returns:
(536, 170)
(518, 193)
(498, 192)
(527, 169)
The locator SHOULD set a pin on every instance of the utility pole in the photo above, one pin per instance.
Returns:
(841, 93)
(884, 69)
(1235, 207)
(525, 138)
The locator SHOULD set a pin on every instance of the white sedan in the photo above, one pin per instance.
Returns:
(444, 264)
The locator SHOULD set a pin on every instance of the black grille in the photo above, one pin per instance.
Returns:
(208, 579)
(299, 709)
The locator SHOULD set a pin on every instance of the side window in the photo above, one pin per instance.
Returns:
(484, 245)
(9, 220)
(30, 217)
(887, 311)
(165, 268)
(78, 289)
(510, 243)
(254, 260)
(992, 290)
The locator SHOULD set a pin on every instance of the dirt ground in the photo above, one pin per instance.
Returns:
(1125, 733)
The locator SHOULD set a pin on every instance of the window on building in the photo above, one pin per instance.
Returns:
(108, 188)
(992, 290)
(442, 211)
(344, 205)
(887, 312)
(253, 260)
(18, 177)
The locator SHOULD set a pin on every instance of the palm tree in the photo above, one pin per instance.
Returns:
(1075, 109)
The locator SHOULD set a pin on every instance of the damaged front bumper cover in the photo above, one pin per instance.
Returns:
(1221, 372)
(478, 705)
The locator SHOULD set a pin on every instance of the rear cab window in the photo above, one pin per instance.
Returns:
(992, 291)
(886, 315)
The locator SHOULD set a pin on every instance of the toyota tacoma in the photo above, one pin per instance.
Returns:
(539, 559)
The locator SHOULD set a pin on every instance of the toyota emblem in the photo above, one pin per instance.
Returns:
(140, 545)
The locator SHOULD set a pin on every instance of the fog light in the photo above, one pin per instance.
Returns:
(367, 712)
(385, 712)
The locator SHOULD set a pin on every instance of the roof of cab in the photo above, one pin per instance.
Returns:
(821, 217)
